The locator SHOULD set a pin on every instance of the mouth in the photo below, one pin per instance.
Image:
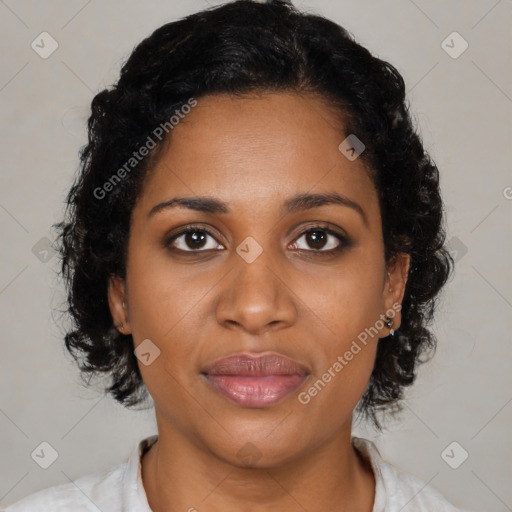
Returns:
(255, 381)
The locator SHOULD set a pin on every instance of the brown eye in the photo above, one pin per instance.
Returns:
(193, 240)
(320, 239)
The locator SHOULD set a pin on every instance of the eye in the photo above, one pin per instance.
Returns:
(193, 239)
(321, 239)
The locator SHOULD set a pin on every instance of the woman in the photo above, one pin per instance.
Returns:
(256, 239)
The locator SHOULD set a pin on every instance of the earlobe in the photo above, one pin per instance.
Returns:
(117, 304)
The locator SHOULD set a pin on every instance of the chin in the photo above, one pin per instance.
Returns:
(264, 444)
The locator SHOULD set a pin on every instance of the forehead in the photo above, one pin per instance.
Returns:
(257, 149)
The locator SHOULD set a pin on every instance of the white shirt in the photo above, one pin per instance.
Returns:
(120, 489)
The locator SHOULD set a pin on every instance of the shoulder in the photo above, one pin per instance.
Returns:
(89, 493)
(409, 493)
(397, 490)
(112, 490)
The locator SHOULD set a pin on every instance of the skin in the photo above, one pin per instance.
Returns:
(254, 152)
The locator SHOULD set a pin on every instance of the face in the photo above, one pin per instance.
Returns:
(261, 273)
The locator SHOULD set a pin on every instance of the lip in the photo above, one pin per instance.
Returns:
(255, 380)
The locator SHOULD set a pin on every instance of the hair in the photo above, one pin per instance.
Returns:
(239, 48)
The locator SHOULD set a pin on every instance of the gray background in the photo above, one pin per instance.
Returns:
(463, 107)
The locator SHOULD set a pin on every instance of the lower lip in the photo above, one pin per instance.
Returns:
(255, 391)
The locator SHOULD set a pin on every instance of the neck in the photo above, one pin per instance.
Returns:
(179, 474)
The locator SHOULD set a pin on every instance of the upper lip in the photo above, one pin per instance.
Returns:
(255, 366)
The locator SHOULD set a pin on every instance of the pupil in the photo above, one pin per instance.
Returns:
(317, 238)
(195, 237)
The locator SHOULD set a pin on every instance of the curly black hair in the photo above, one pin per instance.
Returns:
(237, 48)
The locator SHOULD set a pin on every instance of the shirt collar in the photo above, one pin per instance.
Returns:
(134, 495)
(371, 453)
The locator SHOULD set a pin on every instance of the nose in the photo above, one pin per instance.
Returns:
(256, 297)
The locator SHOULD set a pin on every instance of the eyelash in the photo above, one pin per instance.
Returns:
(343, 240)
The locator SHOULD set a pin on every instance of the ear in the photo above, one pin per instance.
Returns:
(394, 288)
(118, 304)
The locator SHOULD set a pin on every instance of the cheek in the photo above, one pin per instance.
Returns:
(334, 391)
(168, 306)
(158, 295)
(346, 307)
(345, 349)
(348, 298)
(163, 310)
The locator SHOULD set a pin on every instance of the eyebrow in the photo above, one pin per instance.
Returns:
(296, 203)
